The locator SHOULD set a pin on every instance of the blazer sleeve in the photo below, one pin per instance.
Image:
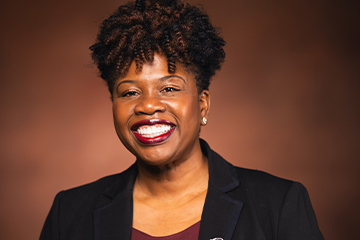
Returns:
(297, 218)
(50, 229)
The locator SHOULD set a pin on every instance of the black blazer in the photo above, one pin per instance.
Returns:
(240, 204)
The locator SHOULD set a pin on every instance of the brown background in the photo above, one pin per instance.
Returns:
(286, 102)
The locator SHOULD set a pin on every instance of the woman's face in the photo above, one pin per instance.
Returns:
(157, 115)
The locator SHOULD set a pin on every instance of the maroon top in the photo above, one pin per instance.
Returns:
(191, 233)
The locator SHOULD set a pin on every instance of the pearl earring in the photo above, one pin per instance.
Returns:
(204, 120)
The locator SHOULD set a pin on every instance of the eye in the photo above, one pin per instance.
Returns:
(129, 94)
(170, 89)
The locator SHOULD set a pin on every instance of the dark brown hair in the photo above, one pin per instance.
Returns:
(179, 31)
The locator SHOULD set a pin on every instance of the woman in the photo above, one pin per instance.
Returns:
(157, 58)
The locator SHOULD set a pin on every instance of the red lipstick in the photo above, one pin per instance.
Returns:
(156, 139)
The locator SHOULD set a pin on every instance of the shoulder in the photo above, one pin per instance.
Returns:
(263, 181)
(273, 195)
(91, 188)
(265, 187)
(72, 211)
(97, 190)
(253, 183)
(284, 200)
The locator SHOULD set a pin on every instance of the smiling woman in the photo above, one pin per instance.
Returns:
(157, 58)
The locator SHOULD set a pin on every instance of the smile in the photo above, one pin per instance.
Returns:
(152, 131)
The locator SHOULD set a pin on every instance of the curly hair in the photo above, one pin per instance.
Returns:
(181, 32)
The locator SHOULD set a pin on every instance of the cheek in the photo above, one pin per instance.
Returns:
(120, 123)
(119, 116)
(189, 111)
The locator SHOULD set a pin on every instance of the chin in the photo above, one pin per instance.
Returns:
(154, 160)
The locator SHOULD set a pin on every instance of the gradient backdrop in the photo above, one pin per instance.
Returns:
(286, 101)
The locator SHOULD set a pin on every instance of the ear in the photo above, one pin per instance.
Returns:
(204, 102)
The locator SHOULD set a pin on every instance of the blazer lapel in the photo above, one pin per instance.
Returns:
(221, 212)
(113, 220)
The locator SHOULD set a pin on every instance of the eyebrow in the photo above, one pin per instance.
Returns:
(161, 79)
(172, 76)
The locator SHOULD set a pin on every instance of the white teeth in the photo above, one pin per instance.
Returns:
(153, 131)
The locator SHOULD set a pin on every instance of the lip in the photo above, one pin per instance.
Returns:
(157, 139)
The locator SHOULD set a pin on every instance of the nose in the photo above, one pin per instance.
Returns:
(149, 105)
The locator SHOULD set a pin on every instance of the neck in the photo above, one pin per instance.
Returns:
(174, 180)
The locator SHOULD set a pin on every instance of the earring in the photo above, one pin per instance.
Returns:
(204, 120)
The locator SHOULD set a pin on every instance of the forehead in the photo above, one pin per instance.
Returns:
(156, 69)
